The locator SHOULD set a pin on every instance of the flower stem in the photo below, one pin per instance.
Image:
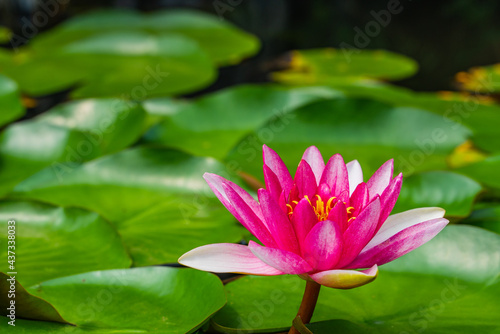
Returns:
(308, 304)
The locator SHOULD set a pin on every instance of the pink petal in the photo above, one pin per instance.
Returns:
(345, 279)
(248, 218)
(403, 220)
(285, 261)
(355, 174)
(380, 179)
(360, 198)
(278, 167)
(339, 215)
(215, 182)
(303, 219)
(272, 183)
(227, 258)
(398, 245)
(389, 197)
(305, 180)
(335, 175)
(323, 245)
(360, 232)
(313, 157)
(278, 223)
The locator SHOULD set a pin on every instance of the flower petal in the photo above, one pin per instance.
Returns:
(380, 179)
(398, 245)
(345, 279)
(335, 175)
(360, 198)
(403, 220)
(303, 219)
(360, 232)
(227, 258)
(278, 167)
(305, 180)
(323, 245)
(313, 157)
(272, 183)
(339, 215)
(248, 218)
(278, 223)
(355, 174)
(389, 197)
(285, 261)
(215, 182)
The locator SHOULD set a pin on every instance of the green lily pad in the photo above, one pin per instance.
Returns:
(213, 124)
(25, 304)
(453, 192)
(67, 135)
(445, 286)
(139, 300)
(485, 215)
(222, 41)
(53, 242)
(369, 131)
(131, 65)
(485, 171)
(10, 102)
(320, 66)
(156, 198)
(476, 112)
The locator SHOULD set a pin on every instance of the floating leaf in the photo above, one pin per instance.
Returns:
(10, 102)
(67, 135)
(156, 198)
(25, 305)
(322, 66)
(150, 300)
(132, 65)
(369, 131)
(213, 124)
(53, 242)
(223, 42)
(453, 192)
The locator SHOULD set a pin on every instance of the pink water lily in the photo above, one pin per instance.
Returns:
(324, 224)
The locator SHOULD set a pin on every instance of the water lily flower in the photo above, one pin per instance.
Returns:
(325, 224)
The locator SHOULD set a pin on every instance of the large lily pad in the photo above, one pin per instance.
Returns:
(145, 300)
(223, 42)
(369, 131)
(447, 286)
(322, 66)
(53, 242)
(133, 65)
(10, 102)
(25, 304)
(213, 124)
(485, 171)
(156, 198)
(67, 135)
(485, 215)
(451, 191)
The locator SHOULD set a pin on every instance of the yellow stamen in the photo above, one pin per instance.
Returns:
(352, 218)
(349, 209)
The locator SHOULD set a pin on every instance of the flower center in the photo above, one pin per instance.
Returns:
(320, 208)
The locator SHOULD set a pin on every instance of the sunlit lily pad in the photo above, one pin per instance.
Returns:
(156, 198)
(320, 66)
(53, 242)
(213, 124)
(139, 300)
